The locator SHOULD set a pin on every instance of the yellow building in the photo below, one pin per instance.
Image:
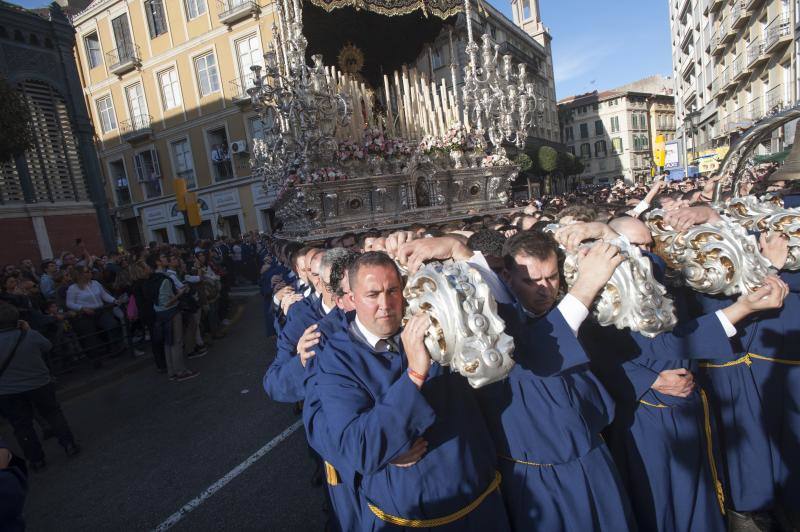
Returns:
(165, 83)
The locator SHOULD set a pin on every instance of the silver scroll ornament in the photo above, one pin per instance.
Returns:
(466, 333)
(712, 258)
(769, 214)
(632, 298)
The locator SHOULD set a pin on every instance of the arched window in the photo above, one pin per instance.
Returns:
(54, 163)
(33, 39)
(18, 36)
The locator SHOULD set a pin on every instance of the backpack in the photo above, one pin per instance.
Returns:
(153, 286)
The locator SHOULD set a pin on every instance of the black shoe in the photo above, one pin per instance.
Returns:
(38, 467)
(197, 353)
(72, 449)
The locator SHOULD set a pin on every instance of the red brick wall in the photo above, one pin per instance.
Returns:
(19, 239)
(63, 230)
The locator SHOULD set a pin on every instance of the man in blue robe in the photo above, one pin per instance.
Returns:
(546, 417)
(283, 380)
(342, 481)
(409, 427)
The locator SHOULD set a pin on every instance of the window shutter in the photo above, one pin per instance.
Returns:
(156, 166)
(139, 165)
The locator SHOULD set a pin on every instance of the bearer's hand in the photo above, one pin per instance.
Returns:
(413, 337)
(411, 456)
(413, 254)
(571, 236)
(397, 239)
(775, 247)
(596, 265)
(309, 339)
(686, 217)
(674, 382)
(288, 301)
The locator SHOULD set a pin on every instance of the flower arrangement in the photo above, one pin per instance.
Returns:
(495, 160)
(351, 151)
(327, 174)
(375, 141)
(431, 144)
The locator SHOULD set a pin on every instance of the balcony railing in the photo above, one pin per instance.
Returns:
(755, 108)
(778, 31)
(715, 86)
(231, 11)
(123, 59)
(239, 88)
(137, 128)
(774, 98)
(726, 33)
(738, 69)
(715, 4)
(755, 52)
(739, 13)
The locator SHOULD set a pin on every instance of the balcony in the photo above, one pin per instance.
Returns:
(739, 70)
(707, 36)
(726, 32)
(778, 32)
(755, 108)
(774, 98)
(137, 128)
(756, 54)
(232, 11)
(715, 86)
(238, 90)
(751, 4)
(688, 64)
(715, 4)
(123, 59)
(739, 14)
(717, 42)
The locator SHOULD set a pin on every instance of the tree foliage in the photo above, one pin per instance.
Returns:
(16, 134)
(524, 162)
(548, 159)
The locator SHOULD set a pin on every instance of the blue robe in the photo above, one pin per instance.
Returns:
(659, 442)
(546, 418)
(342, 488)
(375, 412)
(750, 397)
(283, 380)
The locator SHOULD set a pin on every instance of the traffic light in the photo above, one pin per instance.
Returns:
(180, 193)
(193, 209)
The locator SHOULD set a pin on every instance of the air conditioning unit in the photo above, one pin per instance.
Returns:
(238, 147)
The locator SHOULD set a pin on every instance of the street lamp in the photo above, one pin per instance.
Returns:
(690, 122)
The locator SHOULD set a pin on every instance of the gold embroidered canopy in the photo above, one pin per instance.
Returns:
(391, 8)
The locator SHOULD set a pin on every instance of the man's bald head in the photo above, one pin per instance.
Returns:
(634, 230)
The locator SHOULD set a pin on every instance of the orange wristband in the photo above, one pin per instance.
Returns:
(417, 375)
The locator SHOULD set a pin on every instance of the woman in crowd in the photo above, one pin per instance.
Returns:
(93, 304)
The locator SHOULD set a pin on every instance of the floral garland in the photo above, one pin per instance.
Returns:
(456, 138)
(351, 151)
(495, 160)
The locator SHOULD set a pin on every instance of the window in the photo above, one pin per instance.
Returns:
(207, 74)
(256, 128)
(195, 8)
(137, 104)
(598, 127)
(636, 143)
(105, 109)
(170, 89)
(526, 9)
(643, 121)
(119, 179)
(634, 121)
(595, 107)
(600, 148)
(584, 131)
(644, 142)
(568, 133)
(220, 156)
(182, 159)
(148, 172)
(248, 53)
(586, 150)
(571, 149)
(614, 124)
(616, 145)
(156, 21)
(93, 53)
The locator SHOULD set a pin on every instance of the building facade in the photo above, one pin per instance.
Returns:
(612, 132)
(524, 38)
(52, 194)
(165, 82)
(733, 61)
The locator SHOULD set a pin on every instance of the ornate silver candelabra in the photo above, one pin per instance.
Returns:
(500, 102)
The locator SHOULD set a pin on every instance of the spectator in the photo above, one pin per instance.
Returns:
(26, 385)
(13, 489)
(47, 285)
(90, 300)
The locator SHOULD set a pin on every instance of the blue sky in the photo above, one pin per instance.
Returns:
(604, 44)
(596, 45)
